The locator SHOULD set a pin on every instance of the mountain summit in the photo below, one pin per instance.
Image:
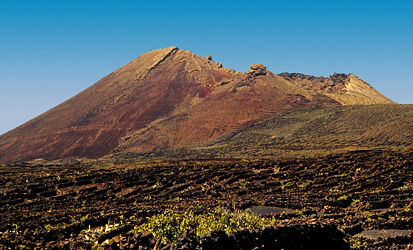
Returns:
(170, 98)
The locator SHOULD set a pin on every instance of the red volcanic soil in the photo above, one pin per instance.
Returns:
(91, 123)
(164, 99)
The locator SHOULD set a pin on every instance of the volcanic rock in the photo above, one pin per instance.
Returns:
(257, 69)
(346, 89)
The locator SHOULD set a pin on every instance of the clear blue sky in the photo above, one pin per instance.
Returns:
(51, 50)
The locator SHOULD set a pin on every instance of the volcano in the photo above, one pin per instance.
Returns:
(170, 98)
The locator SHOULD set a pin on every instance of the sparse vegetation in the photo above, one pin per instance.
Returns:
(342, 198)
(110, 205)
(307, 133)
(170, 225)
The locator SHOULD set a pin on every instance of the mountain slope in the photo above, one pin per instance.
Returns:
(320, 130)
(164, 99)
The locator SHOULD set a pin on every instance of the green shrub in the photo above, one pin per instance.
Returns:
(342, 198)
(170, 225)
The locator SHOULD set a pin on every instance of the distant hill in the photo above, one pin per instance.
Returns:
(170, 99)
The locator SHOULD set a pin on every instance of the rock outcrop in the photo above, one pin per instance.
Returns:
(257, 69)
(346, 89)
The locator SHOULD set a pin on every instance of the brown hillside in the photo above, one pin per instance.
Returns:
(321, 131)
(168, 98)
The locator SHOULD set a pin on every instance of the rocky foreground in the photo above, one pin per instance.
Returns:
(357, 200)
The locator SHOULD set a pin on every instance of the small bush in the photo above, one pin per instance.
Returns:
(343, 198)
(170, 225)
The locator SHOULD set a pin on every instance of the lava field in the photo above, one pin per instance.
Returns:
(354, 200)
